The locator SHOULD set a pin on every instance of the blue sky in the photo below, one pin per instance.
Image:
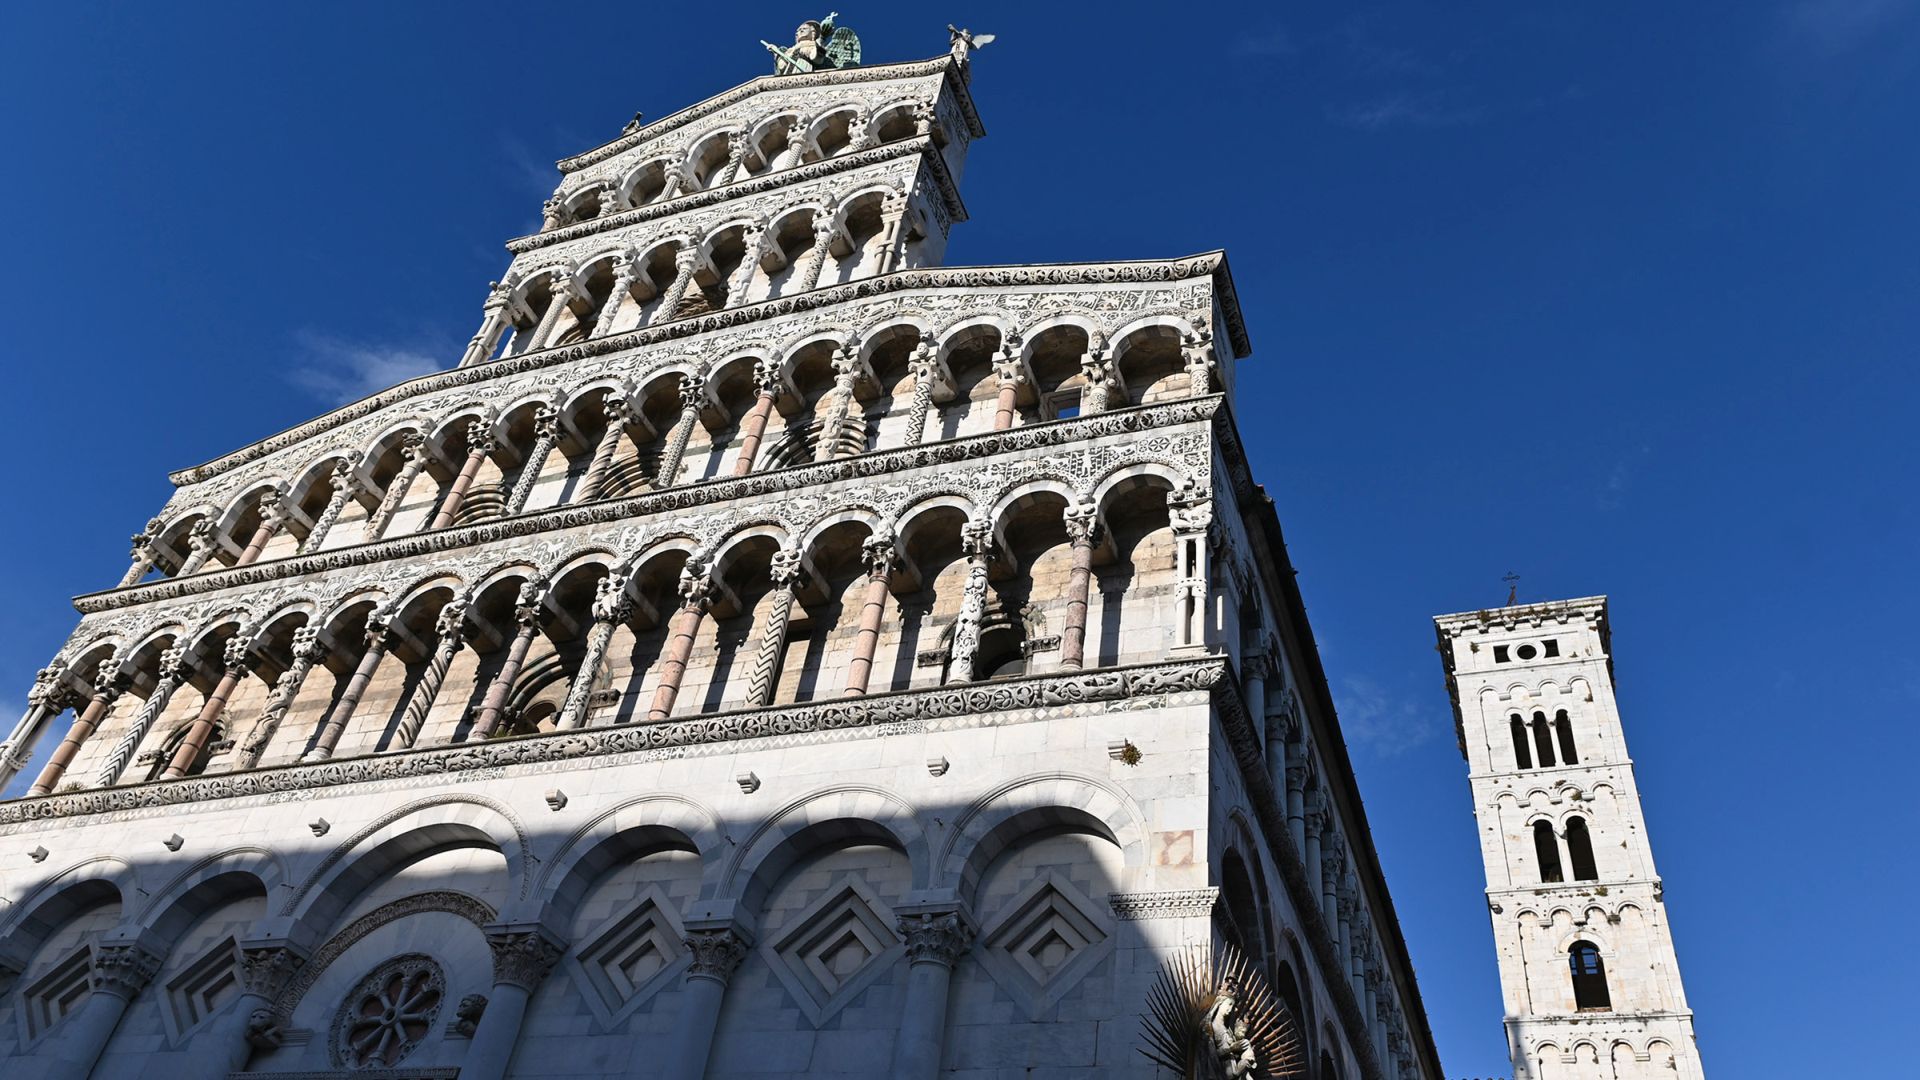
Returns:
(1621, 300)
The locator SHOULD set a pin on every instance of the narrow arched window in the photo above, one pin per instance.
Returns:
(1563, 727)
(1580, 850)
(1589, 977)
(1522, 757)
(1542, 741)
(1547, 850)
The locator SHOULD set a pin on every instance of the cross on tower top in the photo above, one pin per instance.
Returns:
(1513, 587)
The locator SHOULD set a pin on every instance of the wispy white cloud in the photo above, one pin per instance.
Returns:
(1382, 721)
(1274, 41)
(1832, 27)
(1424, 110)
(338, 371)
(1620, 476)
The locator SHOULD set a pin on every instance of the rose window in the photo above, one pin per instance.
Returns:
(389, 1012)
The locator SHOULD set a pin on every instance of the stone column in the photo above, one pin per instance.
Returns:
(479, 445)
(926, 372)
(200, 544)
(754, 245)
(1313, 821)
(562, 295)
(310, 646)
(143, 554)
(717, 954)
(785, 572)
(623, 273)
(695, 593)
(619, 413)
(676, 179)
(526, 617)
(736, 151)
(346, 484)
(267, 966)
(1297, 803)
(1097, 366)
(48, 698)
(379, 637)
(108, 684)
(878, 553)
(1083, 532)
(551, 213)
(976, 539)
(450, 630)
(523, 954)
(1333, 866)
(120, 972)
(170, 674)
(766, 382)
(493, 322)
(273, 515)
(935, 943)
(894, 212)
(546, 435)
(833, 430)
(1008, 375)
(1192, 515)
(1197, 349)
(691, 387)
(684, 260)
(789, 156)
(824, 229)
(238, 659)
(611, 607)
(1254, 668)
(413, 458)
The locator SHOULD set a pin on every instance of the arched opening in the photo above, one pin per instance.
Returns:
(1563, 727)
(1580, 850)
(1522, 756)
(893, 125)
(1547, 850)
(1589, 977)
(648, 183)
(1542, 741)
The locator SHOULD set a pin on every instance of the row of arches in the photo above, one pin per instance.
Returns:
(766, 614)
(715, 157)
(1535, 742)
(458, 875)
(741, 260)
(825, 397)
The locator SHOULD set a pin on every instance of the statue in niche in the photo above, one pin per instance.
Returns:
(818, 45)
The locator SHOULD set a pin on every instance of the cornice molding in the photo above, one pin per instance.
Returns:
(872, 711)
(918, 144)
(1591, 610)
(943, 64)
(1206, 264)
(681, 497)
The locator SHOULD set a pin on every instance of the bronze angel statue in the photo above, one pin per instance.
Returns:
(818, 45)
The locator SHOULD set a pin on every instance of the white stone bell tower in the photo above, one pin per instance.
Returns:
(1587, 966)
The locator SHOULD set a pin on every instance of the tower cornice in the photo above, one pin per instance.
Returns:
(838, 77)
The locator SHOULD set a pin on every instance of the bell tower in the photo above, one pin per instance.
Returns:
(1587, 967)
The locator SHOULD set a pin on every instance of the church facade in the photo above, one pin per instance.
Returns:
(765, 653)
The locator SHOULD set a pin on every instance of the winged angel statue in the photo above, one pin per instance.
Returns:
(818, 45)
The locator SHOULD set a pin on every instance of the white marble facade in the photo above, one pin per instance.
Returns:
(765, 653)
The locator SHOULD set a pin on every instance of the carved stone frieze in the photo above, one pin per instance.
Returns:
(1165, 904)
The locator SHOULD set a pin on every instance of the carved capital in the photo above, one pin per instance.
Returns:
(611, 604)
(49, 684)
(784, 567)
(1083, 523)
(696, 588)
(878, 554)
(527, 605)
(523, 955)
(976, 539)
(267, 967)
(546, 423)
(716, 954)
(936, 938)
(451, 625)
(111, 680)
(238, 656)
(479, 437)
(766, 376)
(691, 387)
(124, 970)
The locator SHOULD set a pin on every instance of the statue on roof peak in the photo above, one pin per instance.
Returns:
(818, 45)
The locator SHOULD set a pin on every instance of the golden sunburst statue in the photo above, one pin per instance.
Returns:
(1211, 1016)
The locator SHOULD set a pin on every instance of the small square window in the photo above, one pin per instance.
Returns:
(1551, 646)
(1499, 654)
(1063, 405)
